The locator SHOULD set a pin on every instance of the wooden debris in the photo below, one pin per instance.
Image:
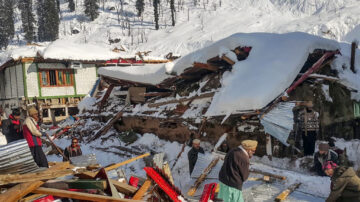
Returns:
(167, 171)
(32, 197)
(123, 187)
(206, 66)
(283, 195)
(78, 195)
(228, 60)
(205, 95)
(112, 167)
(142, 191)
(268, 174)
(265, 178)
(17, 192)
(202, 177)
(106, 96)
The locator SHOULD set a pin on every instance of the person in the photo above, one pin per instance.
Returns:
(235, 171)
(72, 150)
(32, 134)
(193, 154)
(343, 159)
(323, 155)
(309, 123)
(345, 184)
(224, 147)
(11, 127)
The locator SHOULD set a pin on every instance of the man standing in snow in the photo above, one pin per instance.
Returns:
(235, 171)
(32, 134)
(193, 154)
(345, 184)
(11, 127)
(322, 156)
(73, 150)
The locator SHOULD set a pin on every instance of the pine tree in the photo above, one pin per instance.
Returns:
(27, 18)
(156, 13)
(140, 6)
(172, 8)
(9, 18)
(4, 40)
(71, 5)
(48, 23)
(91, 9)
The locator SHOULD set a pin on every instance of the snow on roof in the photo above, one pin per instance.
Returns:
(21, 52)
(150, 74)
(62, 49)
(273, 64)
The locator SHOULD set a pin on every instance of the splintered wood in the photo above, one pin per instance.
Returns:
(283, 195)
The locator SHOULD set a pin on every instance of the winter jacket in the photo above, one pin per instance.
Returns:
(235, 170)
(320, 160)
(345, 185)
(31, 131)
(193, 156)
(71, 152)
(11, 128)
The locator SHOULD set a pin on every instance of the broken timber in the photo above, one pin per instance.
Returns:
(268, 174)
(228, 60)
(283, 195)
(123, 187)
(126, 162)
(205, 95)
(202, 177)
(77, 195)
(17, 192)
(142, 191)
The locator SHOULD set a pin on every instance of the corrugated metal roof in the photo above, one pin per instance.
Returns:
(16, 157)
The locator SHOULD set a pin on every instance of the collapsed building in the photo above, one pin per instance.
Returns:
(247, 85)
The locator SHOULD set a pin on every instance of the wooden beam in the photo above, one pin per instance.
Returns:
(142, 191)
(20, 178)
(32, 197)
(123, 187)
(17, 192)
(283, 195)
(78, 195)
(108, 126)
(205, 66)
(106, 96)
(268, 174)
(228, 60)
(112, 167)
(167, 171)
(205, 95)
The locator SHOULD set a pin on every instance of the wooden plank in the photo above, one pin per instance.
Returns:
(167, 171)
(205, 95)
(106, 96)
(283, 195)
(112, 167)
(268, 174)
(20, 178)
(206, 66)
(228, 60)
(17, 192)
(31, 197)
(142, 191)
(123, 187)
(78, 195)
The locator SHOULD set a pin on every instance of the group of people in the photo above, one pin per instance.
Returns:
(13, 129)
(328, 161)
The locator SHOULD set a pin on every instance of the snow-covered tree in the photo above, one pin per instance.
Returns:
(71, 5)
(48, 23)
(172, 8)
(91, 9)
(9, 18)
(27, 19)
(4, 41)
(140, 4)
(156, 13)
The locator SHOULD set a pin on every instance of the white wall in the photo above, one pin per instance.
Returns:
(85, 78)
(32, 80)
(57, 91)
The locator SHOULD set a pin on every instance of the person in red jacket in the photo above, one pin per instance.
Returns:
(32, 134)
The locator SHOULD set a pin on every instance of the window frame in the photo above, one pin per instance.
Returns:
(57, 71)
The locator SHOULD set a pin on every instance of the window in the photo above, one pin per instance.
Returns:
(56, 78)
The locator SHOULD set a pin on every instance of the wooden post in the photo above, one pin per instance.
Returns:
(354, 45)
(268, 147)
(142, 191)
(283, 195)
(17, 192)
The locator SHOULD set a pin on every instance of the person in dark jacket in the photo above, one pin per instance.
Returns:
(323, 155)
(224, 147)
(73, 150)
(193, 154)
(32, 134)
(345, 184)
(12, 127)
(235, 171)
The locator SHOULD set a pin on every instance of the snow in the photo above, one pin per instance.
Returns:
(18, 53)
(150, 73)
(87, 104)
(3, 140)
(352, 150)
(275, 60)
(325, 89)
